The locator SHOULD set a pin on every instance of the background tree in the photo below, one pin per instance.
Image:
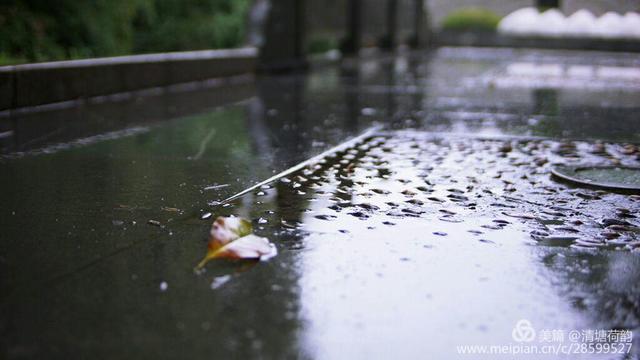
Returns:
(41, 30)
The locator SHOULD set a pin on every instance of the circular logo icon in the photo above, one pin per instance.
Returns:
(574, 335)
(523, 331)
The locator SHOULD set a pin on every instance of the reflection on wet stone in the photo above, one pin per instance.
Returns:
(458, 184)
(408, 152)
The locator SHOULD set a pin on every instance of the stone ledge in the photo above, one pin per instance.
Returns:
(456, 38)
(52, 82)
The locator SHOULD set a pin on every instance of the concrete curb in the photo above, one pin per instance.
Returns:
(455, 38)
(52, 82)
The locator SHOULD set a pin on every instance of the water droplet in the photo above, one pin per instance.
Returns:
(219, 281)
(368, 111)
(450, 219)
(609, 222)
(359, 214)
(325, 217)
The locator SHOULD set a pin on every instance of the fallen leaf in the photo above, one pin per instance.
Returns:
(227, 229)
(231, 238)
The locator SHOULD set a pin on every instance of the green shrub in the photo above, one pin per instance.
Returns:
(9, 60)
(471, 19)
(175, 25)
(321, 44)
(45, 30)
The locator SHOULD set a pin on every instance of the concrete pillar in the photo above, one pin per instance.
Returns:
(352, 42)
(546, 4)
(420, 25)
(389, 39)
(284, 36)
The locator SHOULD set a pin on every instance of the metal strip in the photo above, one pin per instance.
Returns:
(343, 146)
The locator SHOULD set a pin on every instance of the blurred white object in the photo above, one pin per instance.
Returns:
(609, 25)
(580, 71)
(552, 23)
(522, 21)
(529, 69)
(580, 23)
(619, 73)
(631, 25)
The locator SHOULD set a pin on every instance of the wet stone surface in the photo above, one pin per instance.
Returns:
(372, 207)
(444, 229)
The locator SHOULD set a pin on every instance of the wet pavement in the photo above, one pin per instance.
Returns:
(442, 229)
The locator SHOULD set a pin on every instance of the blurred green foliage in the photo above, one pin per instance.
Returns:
(319, 44)
(44, 30)
(471, 19)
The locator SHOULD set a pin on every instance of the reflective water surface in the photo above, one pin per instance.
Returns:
(442, 229)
